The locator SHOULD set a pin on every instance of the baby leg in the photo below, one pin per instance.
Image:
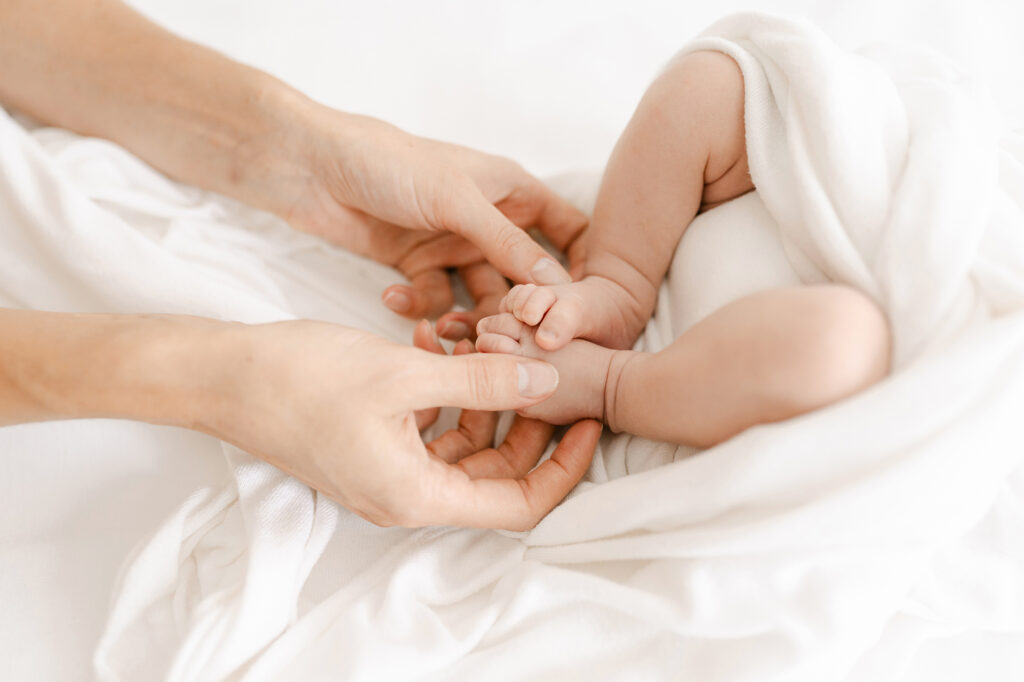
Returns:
(763, 358)
(766, 357)
(683, 151)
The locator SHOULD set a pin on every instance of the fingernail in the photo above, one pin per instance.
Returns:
(455, 331)
(545, 334)
(536, 379)
(397, 301)
(547, 271)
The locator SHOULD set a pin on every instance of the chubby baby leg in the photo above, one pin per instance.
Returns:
(766, 357)
(763, 358)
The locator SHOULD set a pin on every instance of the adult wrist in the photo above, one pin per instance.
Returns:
(158, 369)
(271, 159)
(175, 370)
(281, 162)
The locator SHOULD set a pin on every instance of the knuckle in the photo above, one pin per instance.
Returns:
(442, 205)
(438, 300)
(532, 512)
(507, 238)
(483, 384)
(471, 440)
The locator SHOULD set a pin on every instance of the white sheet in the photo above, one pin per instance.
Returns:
(733, 568)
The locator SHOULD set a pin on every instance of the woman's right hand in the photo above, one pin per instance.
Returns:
(419, 205)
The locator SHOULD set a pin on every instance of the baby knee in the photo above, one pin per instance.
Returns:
(849, 345)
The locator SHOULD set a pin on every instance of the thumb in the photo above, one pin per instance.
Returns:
(479, 381)
(506, 247)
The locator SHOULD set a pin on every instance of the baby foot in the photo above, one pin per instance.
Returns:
(593, 308)
(582, 369)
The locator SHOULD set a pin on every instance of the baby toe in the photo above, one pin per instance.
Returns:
(509, 301)
(519, 296)
(539, 302)
(560, 324)
(503, 323)
(497, 343)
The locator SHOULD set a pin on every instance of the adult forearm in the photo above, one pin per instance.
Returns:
(159, 369)
(99, 68)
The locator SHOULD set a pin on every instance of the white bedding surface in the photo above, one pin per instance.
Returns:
(79, 495)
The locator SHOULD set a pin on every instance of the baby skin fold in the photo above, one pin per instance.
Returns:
(766, 357)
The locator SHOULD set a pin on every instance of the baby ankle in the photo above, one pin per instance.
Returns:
(611, 416)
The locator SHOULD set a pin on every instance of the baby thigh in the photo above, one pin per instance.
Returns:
(766, 357)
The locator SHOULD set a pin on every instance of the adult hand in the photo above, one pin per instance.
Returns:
(470, 446)
(338, 409)
(486, 286)
(422, 206)
(412, 203)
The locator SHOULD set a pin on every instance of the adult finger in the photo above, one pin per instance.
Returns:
(456, 325)
(487, 287)
(534, 204)
(474, 432)
(515, 504)
(477, 381)
(439, 250)
(428, 294)
(506, 246)
(522, 448)
(424, 337)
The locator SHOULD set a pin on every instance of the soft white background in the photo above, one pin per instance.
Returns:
(547, 82)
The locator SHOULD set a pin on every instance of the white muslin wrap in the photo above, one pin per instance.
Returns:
(865, 541)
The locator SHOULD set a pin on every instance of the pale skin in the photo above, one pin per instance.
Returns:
(338, 408)
(764, 358)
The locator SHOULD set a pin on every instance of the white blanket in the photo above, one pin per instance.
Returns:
(840, 545)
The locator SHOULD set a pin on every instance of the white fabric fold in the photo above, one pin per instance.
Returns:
(89, 228)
